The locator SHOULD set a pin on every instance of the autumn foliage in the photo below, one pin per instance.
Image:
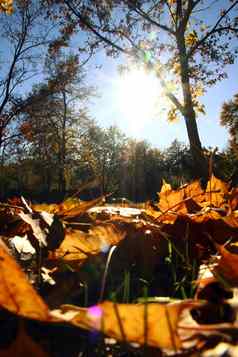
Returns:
(190, 227)
(6, 6)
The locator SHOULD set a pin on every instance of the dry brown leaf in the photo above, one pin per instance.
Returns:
(50, 208)
(204, 217)
(168, 197)
(68, 208)
(166, 187)
(233, 199)
(194, 190)
(16, 293)
(152, 324)
(184, 200)
(77, 245)
(216, 192)
(152, 212)
(23, 346)
(227, 265)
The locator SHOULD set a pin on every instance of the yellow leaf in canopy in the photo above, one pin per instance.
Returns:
(216, 191)
(77, 245)
(152, 324)
(6, 6)
(191, 38)
(16, 293)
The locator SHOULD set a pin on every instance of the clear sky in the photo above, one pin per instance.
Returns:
(108, 110)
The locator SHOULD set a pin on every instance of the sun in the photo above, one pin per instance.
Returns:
(138, 95)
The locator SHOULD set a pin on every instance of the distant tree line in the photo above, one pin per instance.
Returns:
(107, 158)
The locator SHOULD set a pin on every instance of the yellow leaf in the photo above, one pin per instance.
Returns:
(191, 39)
(6, 6)
(16, 293)
(152, 324)
(216, 191)
(78, 246)
(69, 208)
(180, 200)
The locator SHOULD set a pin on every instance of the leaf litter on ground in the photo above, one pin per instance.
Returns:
(190, 224)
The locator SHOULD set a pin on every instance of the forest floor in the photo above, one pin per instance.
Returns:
(85, 278)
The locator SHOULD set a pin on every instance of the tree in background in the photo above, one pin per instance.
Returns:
(186, 43)
(229, 119)
(101, 153)
(23, 37)
(55, 118)
(178, 163)
(142, 171)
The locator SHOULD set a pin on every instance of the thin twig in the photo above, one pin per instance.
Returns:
(123, 335)
(7, 205)
(182, 201)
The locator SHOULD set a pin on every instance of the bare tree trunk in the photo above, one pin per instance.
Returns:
(200, 163)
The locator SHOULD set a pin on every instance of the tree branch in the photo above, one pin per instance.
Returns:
(91, 28)
(213, 30)
(143, 14)
(171, 12)
(170, 95)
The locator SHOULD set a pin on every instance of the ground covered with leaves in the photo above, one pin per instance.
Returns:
(91, 279)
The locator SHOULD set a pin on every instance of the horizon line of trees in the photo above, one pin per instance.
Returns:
(114, 164)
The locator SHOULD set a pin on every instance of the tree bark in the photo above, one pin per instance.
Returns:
(200, 163)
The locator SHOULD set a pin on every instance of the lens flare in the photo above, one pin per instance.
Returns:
(138, 96)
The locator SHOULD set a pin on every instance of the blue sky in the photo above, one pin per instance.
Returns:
(157, 131)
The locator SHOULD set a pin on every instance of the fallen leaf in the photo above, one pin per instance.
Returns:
(152, 324)
(194, 191)
(216, 192)
(226, 268)
(168, 197)
(186, 199)
(16, 293)
(233, 199)
(38, 232)
(23, 245)
(77, 245)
